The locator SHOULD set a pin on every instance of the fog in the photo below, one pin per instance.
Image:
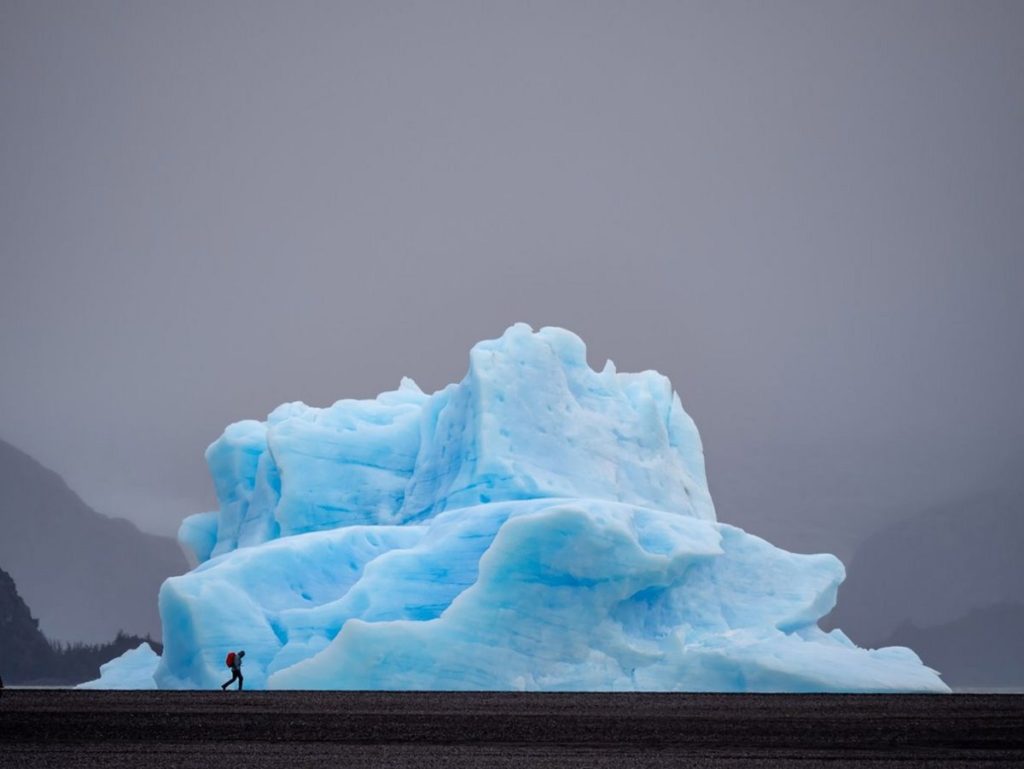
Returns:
(810, 216)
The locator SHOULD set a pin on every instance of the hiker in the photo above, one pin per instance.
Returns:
(234, 661)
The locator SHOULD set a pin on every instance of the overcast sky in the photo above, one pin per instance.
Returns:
(810, 216)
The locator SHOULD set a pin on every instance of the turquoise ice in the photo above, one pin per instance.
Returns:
(132, 670)
(537, 526)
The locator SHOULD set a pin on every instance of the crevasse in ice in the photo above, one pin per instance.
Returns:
(537, 526)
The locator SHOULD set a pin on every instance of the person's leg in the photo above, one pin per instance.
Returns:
(239, 680)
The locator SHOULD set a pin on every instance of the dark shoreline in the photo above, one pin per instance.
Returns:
(67, 728)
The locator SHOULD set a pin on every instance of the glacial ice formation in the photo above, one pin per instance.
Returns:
(537, 526)
(132, 670)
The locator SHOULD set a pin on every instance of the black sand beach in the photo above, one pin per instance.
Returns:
(55, 728)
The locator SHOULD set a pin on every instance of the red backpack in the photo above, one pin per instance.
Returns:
(230, 661)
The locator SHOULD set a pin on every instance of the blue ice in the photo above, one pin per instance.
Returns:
(537, 526)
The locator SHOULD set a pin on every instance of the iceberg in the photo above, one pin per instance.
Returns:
(132, 670)
(537, 526)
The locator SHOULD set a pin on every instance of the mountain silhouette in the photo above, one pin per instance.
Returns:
(981, 649)
(86, 576)
(24, 650)
(948, 583)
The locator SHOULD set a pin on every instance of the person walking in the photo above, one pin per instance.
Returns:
(234, 661)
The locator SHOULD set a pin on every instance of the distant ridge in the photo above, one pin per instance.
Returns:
(934, 567)
(24, 651)
(949, 584)
(27, 657)
(86, 576)
(981, 649)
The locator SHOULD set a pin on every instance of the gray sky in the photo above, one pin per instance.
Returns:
(810, 216)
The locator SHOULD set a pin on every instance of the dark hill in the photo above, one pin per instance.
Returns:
(981, 649)
(24, 651)
(86, 576)
(934, 568)
(27, 657)
(949, 584)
